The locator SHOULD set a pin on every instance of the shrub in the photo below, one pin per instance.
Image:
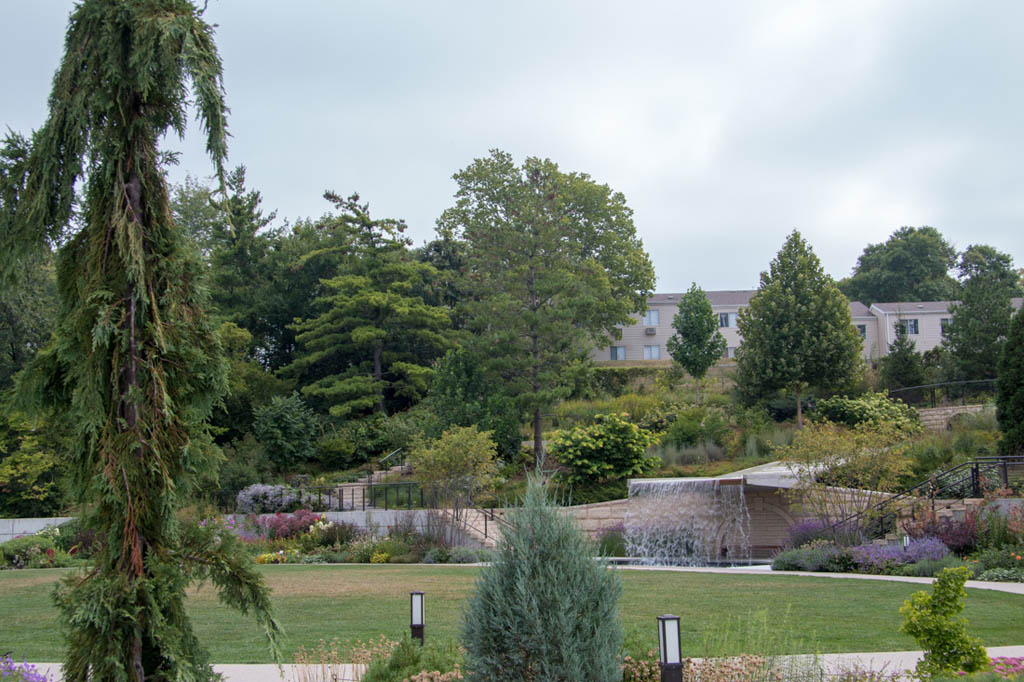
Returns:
(817, 557)
(1006, 557)
(1003, 575)
(610, 448)
(436, 555)
(76, 539)
(409, 661)
(959, 535)
(287, 428)
(934, 621)
(929, 568)
(611, 541)
(874, 558)
(544, 609)
(266, 499)
(282, 526)
(873, 408)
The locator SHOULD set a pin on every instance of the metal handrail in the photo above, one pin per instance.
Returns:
(388, 456)
(967, 472)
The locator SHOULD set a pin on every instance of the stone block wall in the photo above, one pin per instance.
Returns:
(937, 418)
(592, 518)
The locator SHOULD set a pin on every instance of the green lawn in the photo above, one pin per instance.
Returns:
(359, 602)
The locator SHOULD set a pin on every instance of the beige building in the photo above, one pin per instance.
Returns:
(924, 321)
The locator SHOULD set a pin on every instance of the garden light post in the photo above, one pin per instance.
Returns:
(906, 542)
(416, 615)
(671, 662)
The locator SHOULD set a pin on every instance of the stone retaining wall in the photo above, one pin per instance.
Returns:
(592, 518)
(937, 418)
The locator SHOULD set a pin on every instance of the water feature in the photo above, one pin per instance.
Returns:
(687, 522)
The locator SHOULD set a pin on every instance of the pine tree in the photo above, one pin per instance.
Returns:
(1010, 390)
(544, 609)
(373, 341)
(697, 343)
(903, 366)
(797, 331)
(136, 367)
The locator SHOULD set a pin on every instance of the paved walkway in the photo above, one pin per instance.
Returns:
(888, 661)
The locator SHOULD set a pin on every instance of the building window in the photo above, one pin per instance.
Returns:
(652, 352)
(944, 325)
(907, 326)
(862, 329)
(726, 319)
(651, 318)
(618, 352)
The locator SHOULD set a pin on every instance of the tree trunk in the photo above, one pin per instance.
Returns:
(799, 410)
(538, 441)
(378, 375)
(696, 387)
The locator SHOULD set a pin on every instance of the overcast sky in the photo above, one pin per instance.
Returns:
(726, 125)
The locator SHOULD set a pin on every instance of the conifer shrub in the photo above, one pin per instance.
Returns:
(545, 609)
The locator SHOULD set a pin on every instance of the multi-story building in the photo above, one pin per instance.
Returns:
(925, 323)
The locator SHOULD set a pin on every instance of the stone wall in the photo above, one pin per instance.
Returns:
(12, 528)
(937, 418)
(592, 518)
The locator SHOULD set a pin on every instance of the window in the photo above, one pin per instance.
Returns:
(652, 352)
(651, 318)
(726, 319)
(944, 325)
(862, 329)
(618, 352)
(907, 326)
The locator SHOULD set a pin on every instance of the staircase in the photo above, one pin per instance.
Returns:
(971, 479)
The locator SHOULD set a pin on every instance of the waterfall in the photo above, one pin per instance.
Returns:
(687, 522)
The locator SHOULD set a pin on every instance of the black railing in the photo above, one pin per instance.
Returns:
(972, 479)
(948, 392)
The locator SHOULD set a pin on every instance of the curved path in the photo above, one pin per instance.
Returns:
(888, 661)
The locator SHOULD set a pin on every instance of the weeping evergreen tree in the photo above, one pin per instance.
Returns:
(135, 367)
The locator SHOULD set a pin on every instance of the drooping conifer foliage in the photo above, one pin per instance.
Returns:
(135, 367)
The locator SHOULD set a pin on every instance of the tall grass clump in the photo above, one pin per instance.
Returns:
(544, 609)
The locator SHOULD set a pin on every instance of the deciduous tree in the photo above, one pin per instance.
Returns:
(981, 320)
(136, 367)
(797, 331)
(553, 266)
(697, 343)
(912, 265)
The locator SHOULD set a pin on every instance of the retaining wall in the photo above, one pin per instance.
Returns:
(937, 418)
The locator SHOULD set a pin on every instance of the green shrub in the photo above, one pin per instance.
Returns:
(609, 448)
(874, 408)
(934, 621)
(929, 568)
(591, 493)
(1003, 575)
(544, 609)
(1004, 557)
(409, 659)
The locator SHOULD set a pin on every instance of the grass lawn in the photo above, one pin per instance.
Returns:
(361, 602)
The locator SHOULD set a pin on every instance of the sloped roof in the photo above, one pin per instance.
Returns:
(719, 298)
(858, 309)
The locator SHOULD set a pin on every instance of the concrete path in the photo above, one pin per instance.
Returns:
(887, 661)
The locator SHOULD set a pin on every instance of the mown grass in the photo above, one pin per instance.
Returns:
(361, 602)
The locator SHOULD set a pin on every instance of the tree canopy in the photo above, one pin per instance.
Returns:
(552, 266)
(135, 367)
(697, 343)
(797, 331)
(1010, 390)
(912, 265)
(370, 348)
(981, 319)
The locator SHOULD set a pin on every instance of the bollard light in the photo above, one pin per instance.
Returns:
(416, 615)
(906, 542)
(668, 641)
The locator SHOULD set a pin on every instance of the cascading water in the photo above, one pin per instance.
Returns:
(687, 522)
